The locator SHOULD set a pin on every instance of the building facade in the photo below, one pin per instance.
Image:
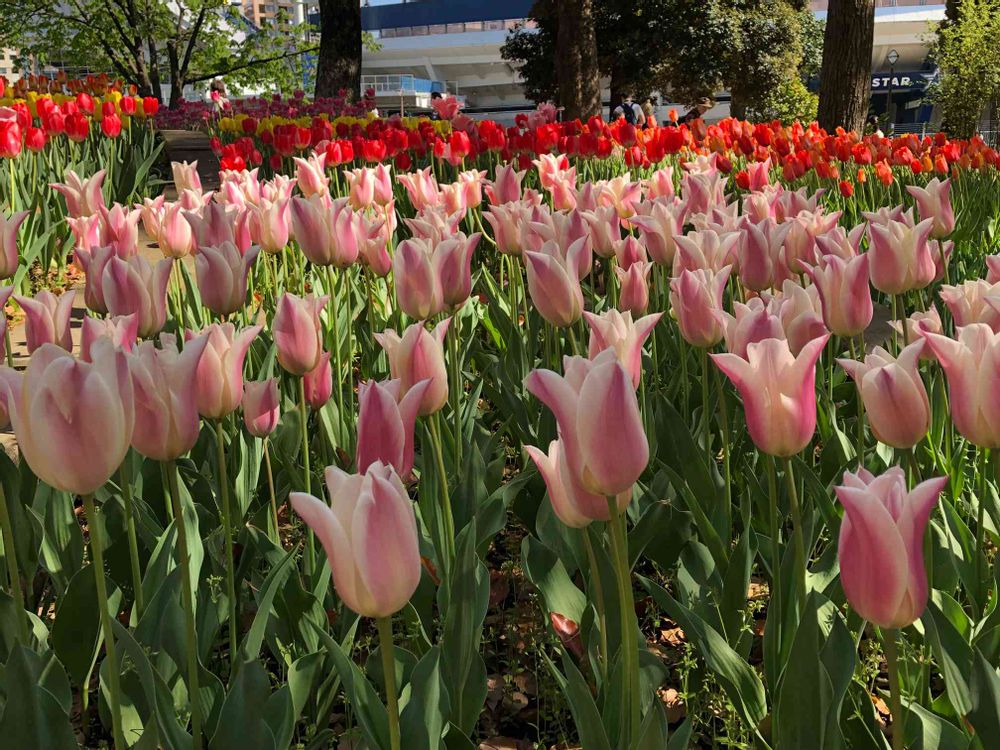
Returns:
(455, 45)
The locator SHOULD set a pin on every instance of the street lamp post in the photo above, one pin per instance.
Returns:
(892, 58)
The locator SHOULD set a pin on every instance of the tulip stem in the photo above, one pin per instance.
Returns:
(774, 619)
(456, 387)
(194, 691)
(97, 553)
(705, 416)
(338, 387)
(892, 660)
(797, 538)
(629, 651)
(306, 471)
(133, 543)
(448, 520)
(860, 449)
(602, 615)
(270, 488)
(220, 455)
(384, 625)
(13, 570)
(981, 561)
(726, 443)
(6, 339)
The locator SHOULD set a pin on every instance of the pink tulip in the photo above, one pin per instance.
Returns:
(418, 356)
(434, 224)
(657, 229)
(893, 393)
(329, 234)
(800, 242)
(375, 254)
(565, 229)
(122, 331)
(696, 299)
(844, 293)
(261, 406)
(972, 366)
(841, 243)
(368, 186)
(46, 319)
(801, 314)
(621, 193)
(151, 213)
(572, 504)
(881, 545)
(750, 324)
(760, 174)
(554, 284)
(934, 202)
(505, 186)
(886, 214)
(166, 413)
(900, 255)
(563, 191)
(422, 188)
(660, 184)
(215, 224)
(386, 423)
(918, 323)
(760, 250)
(88, 233)
(175, 236)
(453, 264)
(470, 184)
(219, 381)
(9, 258)
(605, 229)
(778, 391)
(968, 303)
(506, 221)
(319, 383)
(599, 423)
(222, 277)
(617, 331)
(73, 419)
(120, 230)
(993, 268)
(629, 251)
(134, 286)
(186, 176)
(703, 191)
(83, 197)
(417, 282)
(92, 264)
(310, 175)
(270, 224)
(706, 249)
(633, 295)
(297, 332)
(369, 532)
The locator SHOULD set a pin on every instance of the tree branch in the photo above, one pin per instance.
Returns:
(251, 63)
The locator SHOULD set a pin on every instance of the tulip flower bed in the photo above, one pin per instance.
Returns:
(413, 460)
(50, 128)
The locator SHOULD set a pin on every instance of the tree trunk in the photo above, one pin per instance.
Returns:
(576, 59)
(616, 89)
(339, 64)
(845, 78)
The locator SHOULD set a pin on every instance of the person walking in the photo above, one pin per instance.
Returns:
(697, 111)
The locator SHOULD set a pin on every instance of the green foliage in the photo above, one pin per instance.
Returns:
(969, 59)
(790, 100)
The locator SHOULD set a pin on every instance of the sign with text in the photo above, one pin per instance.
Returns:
(882, 82)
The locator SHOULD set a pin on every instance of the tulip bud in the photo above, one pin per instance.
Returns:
(73, 419)
(134, 286)
(261, 406)
(418, 356)
(893, 393)
(386, 423)
(319, 383)
(554, 282)
(9, 258)
(614, 330)
(843, 290)
(900, 255)
(175, 236)
(934, 203)
(83, 197)
(186, 176)
(778, 391)
(633, 295)
(369, 532)
(46, 319)
(166, 413)
(222, 277)
(418, 285)
(881, 545)
(752, 323)
(696, 299)
(122, 331)
(219, 382)
(600, 426)
(297, 332)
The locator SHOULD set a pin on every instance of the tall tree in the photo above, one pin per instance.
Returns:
(576, 59)
(845, 78)
(339, 65)
(189, 40)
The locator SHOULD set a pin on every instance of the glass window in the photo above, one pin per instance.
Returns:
(437, 28)
(494, 25)
(473, 25)
(419, 30)
(455, 28)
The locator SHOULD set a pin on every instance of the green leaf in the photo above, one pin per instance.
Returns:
(424, 716)
(370, 712)
(548, 574)
(33, 716)
(250, 649)
(952, 654)
(928, 731)
(76, 634)
(984, 691)
(738, 679)
(586, 716)
(653, 732)
(242, 724)
(680, 738)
